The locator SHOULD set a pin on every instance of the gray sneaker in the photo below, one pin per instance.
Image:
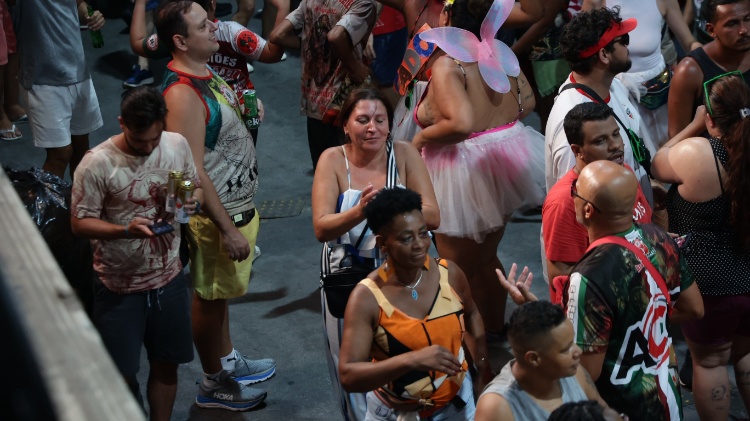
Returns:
(228, 394)
(247, 371)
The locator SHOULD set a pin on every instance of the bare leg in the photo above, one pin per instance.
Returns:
(80, 145)
(226, 340)
(741, 361)
(479, 261)
(5, 122)
(162, 390)
(710, 380)
(57, 160)
(245, 12)
(208, 327)
(10, 84)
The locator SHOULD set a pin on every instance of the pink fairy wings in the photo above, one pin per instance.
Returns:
(496, 60)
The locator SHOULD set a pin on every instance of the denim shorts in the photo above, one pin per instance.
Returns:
(158, 319)
(379, 411)
(389, 51)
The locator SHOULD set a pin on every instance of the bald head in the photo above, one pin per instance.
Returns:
(611, 187)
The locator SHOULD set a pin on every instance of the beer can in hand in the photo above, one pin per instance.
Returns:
(250, 115)
(187, 188)
(173, 185)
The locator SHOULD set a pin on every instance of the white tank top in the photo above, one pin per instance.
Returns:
(645, 40)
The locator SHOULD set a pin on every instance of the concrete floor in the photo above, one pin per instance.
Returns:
(280, 315)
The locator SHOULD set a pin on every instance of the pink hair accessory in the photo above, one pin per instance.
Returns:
(496, 60)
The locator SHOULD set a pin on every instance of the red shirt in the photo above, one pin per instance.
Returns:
(390, 20)
(566, 240)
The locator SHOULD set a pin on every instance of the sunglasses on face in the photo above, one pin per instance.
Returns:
(623, 39)
(574, 193)
(707, 88)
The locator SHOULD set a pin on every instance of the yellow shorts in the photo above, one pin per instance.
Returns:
(215, 275)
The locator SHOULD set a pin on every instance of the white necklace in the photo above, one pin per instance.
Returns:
(414, 294)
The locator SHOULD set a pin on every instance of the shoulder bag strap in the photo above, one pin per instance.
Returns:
(613, 239)
(635, 144)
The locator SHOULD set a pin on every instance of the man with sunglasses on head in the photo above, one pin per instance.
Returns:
(728, 23)
(594, 135)
(595, 45)
(621, 295)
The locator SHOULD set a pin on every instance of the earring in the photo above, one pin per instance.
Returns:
(385, 262)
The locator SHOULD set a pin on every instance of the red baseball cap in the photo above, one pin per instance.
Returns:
(614, 31)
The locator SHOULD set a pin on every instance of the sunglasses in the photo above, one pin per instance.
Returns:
(624, 39)
(707, 87)
(574, 193)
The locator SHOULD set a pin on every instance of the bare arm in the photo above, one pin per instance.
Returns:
(283, 34)
(556, 268)
(666, 166)
(688, 13)
(418, 179)
(593, 363)
(187, 116)
(97, 229)
(588, 386)
(525, 13)
(493, 407)
(475, 340)
(539, 28)
(676, 23)
(685, 86)
(342, 46)
(689, 305)
(357, 372)
(451, 102)
(327, 223)
(138, 27)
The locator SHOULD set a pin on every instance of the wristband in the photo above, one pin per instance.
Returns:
(127, 234)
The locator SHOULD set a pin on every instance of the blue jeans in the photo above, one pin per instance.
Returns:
(379, 411)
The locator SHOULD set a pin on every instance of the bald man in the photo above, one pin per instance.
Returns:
(617, 305)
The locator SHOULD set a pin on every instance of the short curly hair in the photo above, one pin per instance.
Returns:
(531, 321)
(584, 31)
(388, 204)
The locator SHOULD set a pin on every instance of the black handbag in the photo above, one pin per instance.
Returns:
(339, 284)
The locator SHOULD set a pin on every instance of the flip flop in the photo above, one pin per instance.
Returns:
(24, 118)
(11, 130)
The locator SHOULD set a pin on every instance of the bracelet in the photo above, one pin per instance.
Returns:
(127, 234)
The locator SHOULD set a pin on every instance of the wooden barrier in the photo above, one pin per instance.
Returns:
(82, 382)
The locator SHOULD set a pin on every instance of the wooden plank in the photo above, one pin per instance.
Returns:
(82, 381)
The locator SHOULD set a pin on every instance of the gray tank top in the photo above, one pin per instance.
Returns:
(521, 403)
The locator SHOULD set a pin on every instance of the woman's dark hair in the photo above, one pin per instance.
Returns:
(532, 321)
(469, 14)
(582, 113)
(709, 10)
(142, 107)
(388, 204)
(584, 31)
(364, 94)
(170, 21)
(578, 411)
(728, 95)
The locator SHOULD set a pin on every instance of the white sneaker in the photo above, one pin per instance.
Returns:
(250, 68)
(283, 57)
(256, 253)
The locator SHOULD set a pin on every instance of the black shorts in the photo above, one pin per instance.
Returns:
(159, 319)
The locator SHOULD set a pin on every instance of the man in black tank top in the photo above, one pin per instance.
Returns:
(728, 23)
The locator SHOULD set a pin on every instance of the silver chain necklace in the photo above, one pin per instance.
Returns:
(414, 294)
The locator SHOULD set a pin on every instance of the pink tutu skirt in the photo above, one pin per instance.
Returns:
(479, 182)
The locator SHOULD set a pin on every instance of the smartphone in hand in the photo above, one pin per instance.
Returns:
(161, 228)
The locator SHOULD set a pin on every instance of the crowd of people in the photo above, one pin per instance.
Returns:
(414, 128)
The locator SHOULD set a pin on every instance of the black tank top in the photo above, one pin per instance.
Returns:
(710, 70)
(721, 265)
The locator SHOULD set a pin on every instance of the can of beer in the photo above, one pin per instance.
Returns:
(173, 184)
(187, 188)
(250, 115)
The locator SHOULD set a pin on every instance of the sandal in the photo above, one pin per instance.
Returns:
(13, 133)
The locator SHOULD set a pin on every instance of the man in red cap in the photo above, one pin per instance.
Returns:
(595, 44)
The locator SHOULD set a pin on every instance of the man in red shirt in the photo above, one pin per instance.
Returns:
(593, 135)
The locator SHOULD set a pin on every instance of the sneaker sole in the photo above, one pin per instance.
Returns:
(147, 81)
(205, 402)
(256, 378)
